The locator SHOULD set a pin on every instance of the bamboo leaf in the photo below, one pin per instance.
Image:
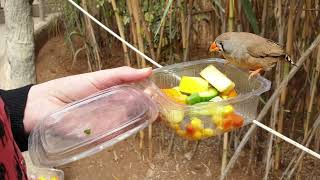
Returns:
(163, 17)
(246, 4)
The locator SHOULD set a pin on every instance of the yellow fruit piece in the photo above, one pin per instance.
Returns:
(227, 109)
(224, 97)
(181, 132)
(193, 84)
(54, 178)
(175, 95)
(217, 120)
(174, 126)
(218, 110)
(197, 135)
(42, 178)
(208, 132)
(196, 123)
(175, 116)
(217, 79)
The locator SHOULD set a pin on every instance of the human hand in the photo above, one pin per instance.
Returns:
(46, 98)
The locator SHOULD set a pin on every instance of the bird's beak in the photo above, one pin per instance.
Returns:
(213, 47)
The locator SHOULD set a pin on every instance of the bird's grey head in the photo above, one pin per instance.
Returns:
(221, 44)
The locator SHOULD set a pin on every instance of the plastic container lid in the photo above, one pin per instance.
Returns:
(90, 125)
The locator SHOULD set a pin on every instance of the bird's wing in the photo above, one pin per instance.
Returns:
(265, 48)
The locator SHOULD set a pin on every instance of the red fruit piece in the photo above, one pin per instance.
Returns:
(190, 130)
(227, 124)
(237, 120)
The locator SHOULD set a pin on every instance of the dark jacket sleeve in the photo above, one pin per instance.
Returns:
(15, 102)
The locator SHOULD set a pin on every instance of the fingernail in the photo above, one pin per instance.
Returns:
(144, 70)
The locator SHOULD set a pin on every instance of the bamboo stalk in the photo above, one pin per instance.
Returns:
(91, 37)
(269, 103)
(317, 139)
(313, 88)
(188, 32)
(183, 25)
(161, 35)
(150, 143)
(135, 6)
(231, 16)
(274, 115)
(297, 19)
(225, 135)
(140, 19)
(133, 30)
(238, 15)
(224, 152)
(306, 124)
(148, 37)
(171, 58)
(284, 92)
(121, 31)
(306, 29)
(264, 17)
(135, 11)
(275, 106)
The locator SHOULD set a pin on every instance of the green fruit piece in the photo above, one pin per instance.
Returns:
(193, 99)
(207, 95)
(191, 85)
(87, 131)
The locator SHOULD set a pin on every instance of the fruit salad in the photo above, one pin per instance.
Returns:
(200, 119)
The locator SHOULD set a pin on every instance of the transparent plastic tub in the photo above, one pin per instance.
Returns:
(90, 125)
(205, 120)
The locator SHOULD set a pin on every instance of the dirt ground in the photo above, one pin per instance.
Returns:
(125, 161)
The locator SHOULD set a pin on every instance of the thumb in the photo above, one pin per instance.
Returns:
(111, 77)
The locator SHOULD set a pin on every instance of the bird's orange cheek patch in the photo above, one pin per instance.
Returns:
(213, 47)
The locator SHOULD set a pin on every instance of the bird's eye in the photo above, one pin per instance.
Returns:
(221, 46)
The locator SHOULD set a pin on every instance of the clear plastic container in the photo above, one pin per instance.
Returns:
(205, 120)
(90, 125)
(103, 119)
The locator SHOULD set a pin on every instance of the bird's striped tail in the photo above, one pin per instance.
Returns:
(288, 59)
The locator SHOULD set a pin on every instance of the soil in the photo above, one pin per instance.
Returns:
(126, 160)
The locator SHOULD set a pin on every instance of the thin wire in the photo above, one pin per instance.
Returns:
(159, 66)
(115, 35)
(287, 139)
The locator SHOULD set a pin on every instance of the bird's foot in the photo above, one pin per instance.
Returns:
(254, 73)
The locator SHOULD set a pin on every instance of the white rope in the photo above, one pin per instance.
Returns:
(115, 35)
(286, 139)
(158, 65)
